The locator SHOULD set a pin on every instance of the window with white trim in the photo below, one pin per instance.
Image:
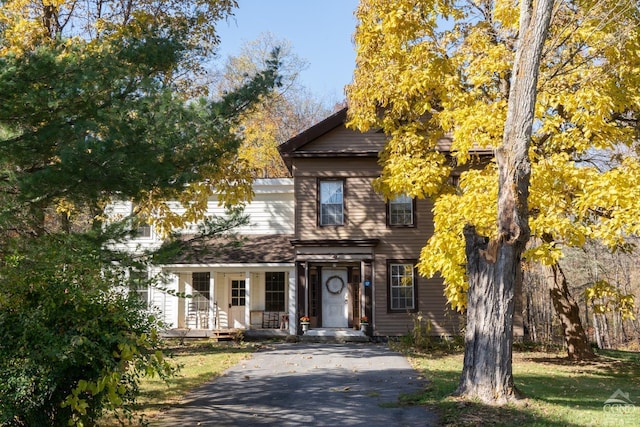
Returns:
(402, 293)
(143, 231)
(139, 284)
(331, 201)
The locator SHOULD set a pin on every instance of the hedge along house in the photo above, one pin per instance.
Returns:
(233, 284)
(355, 253)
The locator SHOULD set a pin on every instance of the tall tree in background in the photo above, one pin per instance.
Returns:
(279, 115)
(89, 62)
(93, 107)
(426, 69)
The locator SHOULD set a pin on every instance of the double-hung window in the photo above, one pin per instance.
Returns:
(143, 231)
(402, 287)
(139, 285)
(401, 211)
(274, 291)
(331, 202)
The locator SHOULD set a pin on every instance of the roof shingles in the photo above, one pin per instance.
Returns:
(247, 249)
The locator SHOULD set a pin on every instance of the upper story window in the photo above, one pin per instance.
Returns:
(402, 287)
(331, 202)
(401, 211)
(144, 227)
(144, 231)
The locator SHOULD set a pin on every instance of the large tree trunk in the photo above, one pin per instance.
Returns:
(578, 347)
(486, 373)
(492, 269)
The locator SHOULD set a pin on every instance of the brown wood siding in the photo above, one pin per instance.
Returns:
(343, 140)
(366, 219)
(406, 244)
(364, 211)
(336, 167)
(432, 305)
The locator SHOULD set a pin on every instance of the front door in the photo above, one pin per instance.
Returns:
(237, 303)
(335, 299)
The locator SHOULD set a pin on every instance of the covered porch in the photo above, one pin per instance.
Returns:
(215, 300)
(246, 285)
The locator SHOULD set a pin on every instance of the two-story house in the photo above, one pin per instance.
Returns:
(355, 254)
(321, 244)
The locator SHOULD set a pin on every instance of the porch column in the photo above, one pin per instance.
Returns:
(369, 300)
(213, 324)
(306, 288)
(181, 302)
(247, 301)
(293, 297)
(363, 279)
(301, 274)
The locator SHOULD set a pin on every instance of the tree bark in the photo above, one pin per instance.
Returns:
(578, 347)
(492, 267)
(486, 373)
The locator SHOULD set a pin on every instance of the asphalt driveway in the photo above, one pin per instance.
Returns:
(308, 384)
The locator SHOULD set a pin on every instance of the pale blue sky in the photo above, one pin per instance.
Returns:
(320, 32)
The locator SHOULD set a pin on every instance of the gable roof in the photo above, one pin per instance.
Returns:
(301, 144)
(330, 138)
(333, 121)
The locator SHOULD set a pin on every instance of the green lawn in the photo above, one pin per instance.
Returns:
(199, 362)
(559, 393)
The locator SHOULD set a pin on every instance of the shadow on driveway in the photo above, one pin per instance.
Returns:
(308, 384)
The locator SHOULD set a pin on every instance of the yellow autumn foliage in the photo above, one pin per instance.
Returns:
(604, 297)
(426, 69)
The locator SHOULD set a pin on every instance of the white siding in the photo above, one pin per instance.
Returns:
(270, 212)
(166, 303)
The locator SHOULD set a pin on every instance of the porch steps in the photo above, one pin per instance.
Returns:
(224, 334)
(334, 335)
(216, 334)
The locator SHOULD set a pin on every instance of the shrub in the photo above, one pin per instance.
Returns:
(72, 343)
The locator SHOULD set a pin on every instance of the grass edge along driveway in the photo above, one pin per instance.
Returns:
(558, 392)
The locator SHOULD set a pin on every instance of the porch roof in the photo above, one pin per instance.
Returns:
(246, 249)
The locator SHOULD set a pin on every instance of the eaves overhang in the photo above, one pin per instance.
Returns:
(362, 243)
